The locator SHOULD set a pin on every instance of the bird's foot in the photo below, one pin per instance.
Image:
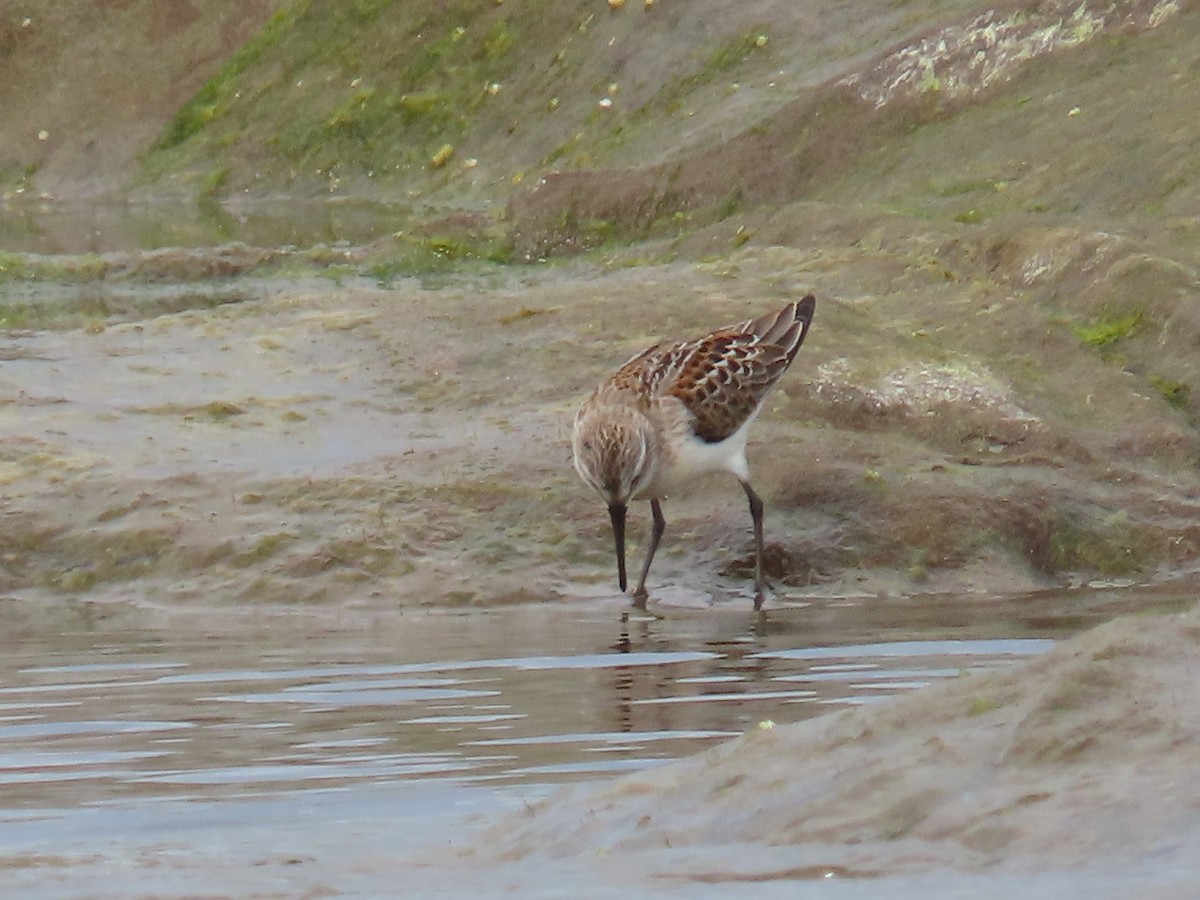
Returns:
(761, 593)
(639, 597)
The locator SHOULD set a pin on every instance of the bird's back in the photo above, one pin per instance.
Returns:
(723, 377)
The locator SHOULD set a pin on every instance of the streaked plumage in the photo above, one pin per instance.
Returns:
(680, 410)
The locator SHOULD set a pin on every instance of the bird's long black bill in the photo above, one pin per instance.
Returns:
(617, 512)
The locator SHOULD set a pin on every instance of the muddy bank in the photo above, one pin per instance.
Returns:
(299, 442)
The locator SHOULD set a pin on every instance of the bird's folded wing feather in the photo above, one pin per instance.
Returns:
(723, 377)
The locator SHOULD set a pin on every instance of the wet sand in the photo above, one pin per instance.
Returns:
(409, 445)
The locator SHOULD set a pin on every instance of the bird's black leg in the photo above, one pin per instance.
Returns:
(640, 594)
(756, 514)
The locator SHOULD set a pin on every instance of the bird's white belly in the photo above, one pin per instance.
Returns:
(689, 457)
(694, 457)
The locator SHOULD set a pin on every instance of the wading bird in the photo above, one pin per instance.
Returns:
(680, 410)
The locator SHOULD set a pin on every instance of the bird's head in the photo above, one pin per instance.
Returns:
(613, 448)
(613, 453)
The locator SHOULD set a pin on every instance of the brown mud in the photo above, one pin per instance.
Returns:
(299, 442)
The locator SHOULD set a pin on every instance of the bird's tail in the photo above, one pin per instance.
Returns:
(787, 328)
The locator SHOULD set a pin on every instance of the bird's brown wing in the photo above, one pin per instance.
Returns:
(723, 377)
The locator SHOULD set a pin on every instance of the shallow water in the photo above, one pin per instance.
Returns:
(587, 696)
(148, 751)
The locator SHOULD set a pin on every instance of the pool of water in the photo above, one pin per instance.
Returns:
(156, 750)
(501, 696)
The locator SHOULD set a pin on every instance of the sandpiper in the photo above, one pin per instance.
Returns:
(679, 410)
